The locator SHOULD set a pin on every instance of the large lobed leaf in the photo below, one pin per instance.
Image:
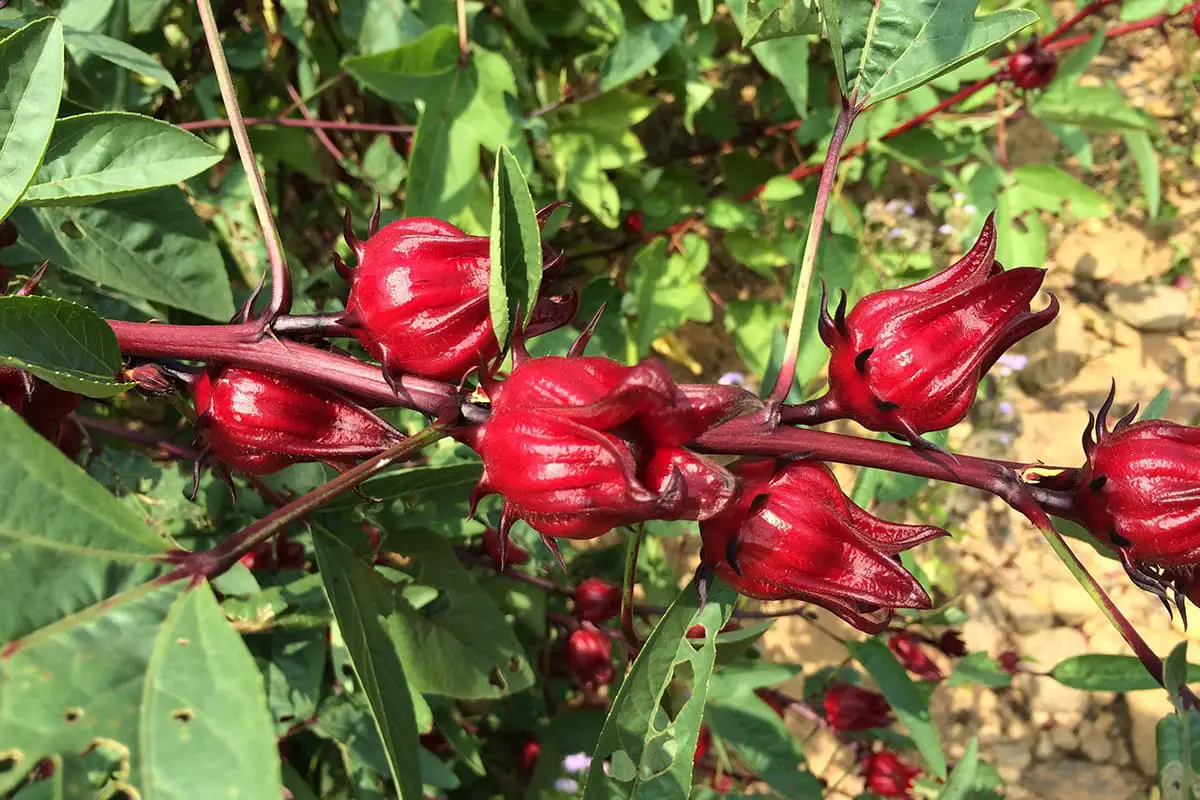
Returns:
(31, 80)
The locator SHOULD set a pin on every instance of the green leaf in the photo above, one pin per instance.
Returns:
(1142, 150)
(1046, 187)
(1177, 741)
(125, 55)
(413, 483)
(62, 343)
(292, 663)
(787, 60)
(649, 750)
(1099, 108)
(516, 249)
(1098, 672)
(889, 47)
(366, 609)
(151, 245)
(410, 71)
(668, 290)
(150, 671)
(1175, 671)
(766, 20)
(111, 154)
(979, 669)
(910, 705)
(638, 50)
(1158, 405)
(962, 779)
(1077, 61)
(763, 741)
(31, 63)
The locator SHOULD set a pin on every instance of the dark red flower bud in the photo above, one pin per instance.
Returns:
(419, 298)
(887, 776)
(290, 554)
(596, 600)
(159, 380)
(578, 446)
(530, 751)
(1009, 661)
(775, 700)
(907, 361)
(1032, 67)
(514, 555)
(436, 743)
(951, 643)
(722, 783)
(635, 221)
(261, 557)
(849, 708)
(259, 423)
(8, 234)
(589, 654)
(793, 534)
(908, 650)
(703, 744)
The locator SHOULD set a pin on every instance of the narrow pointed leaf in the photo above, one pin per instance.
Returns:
(639, 50)
(516, 249)
(31, 69)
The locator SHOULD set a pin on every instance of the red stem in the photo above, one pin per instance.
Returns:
(1121, 30)
(1072, 21)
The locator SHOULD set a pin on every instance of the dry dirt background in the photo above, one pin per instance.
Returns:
(1120, 318)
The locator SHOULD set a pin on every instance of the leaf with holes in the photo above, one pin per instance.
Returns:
(101, 661)
(62, 343)
(31, 68)
(516, 249)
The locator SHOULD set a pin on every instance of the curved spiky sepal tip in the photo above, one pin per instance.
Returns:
(373, 223)
(581, 342)
(352, 241)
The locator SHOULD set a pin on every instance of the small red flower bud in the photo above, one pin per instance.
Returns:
(793, 534)
(908, 650)
(849, 708)
(8, 234)
(589, 654)
(907, 361)
(43, 406)
(596, 600)
(775, 700)
(951, 643)
(887, 776)
(259, 423)
(1010, 662)
(419, 298)
(290, 554)
(530, 751)
(1032, 67)
(703, 744)
(261, 557)
(721, 783)
(578, 446)
(635, 221)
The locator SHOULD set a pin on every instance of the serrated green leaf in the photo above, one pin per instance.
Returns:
(767, 20)
(365, 606)
(515, 247)
(410, 71)
(667, 290)
(1142, 150)
(763, 741)
(1177, 742)
(892, 46)
(958, 786)
(151, 245)
(111, 154)
(412, 483)
(31, 63)
(62, 343)
(639, 50)
(292, 663)
(1046, 187)
(1098, 672)
(123, 54)
(1099, 108)
(910, 705)
(648, 753)
(1175, 671)
(979, 669)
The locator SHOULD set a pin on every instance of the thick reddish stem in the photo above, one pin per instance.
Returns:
(1075, 19)
(1121, 30)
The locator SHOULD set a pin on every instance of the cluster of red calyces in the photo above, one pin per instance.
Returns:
(1139, 493)
(419, 297)
(1032, 67)
(792, 533)
(908, 361)
(850, 709)
(886, 775)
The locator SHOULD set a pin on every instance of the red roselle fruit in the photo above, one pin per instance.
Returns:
(1032, 67)
(850, 708)
(703, 744)
(596, 600)
(259, 423)
(589, 655)
(530, 751)
(1139, 493)
(635, 221)
(908, 361)
(580, 445)
(793, 534)
(419, 297)
(886, 775)
(908, 651)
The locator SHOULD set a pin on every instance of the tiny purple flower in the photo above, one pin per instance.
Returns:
(1005, 408)
(732, 379)
(892, 206)
(895, 233)
(909, 210)
(577, 762)
(1004, 439)
(567, 785)
(1009, 363)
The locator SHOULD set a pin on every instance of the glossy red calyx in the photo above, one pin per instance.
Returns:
(1032, 67)
(909, 360)
(1139, 493)
(911, 653)
(793, 534)
(596, 600)
(887, 776)
(589, 655)
(580, 445)
(419, 298)
(850, 708)
(259, 423)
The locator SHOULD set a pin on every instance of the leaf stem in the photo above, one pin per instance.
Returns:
(281, 279)
(210, 563)
(464, 45)
(627, 604)
(787, 371)
(312, 124)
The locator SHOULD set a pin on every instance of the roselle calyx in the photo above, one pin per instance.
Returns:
(258, 422)
(419, 297)
(1139, 493)
(579, 445)
(589, 656)
(851, 708)
(909, 651)
(887, 775)
(596, 600)
(908, 361)
(1032, 67)
(792, 533)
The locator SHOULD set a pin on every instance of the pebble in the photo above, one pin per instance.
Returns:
(1149, 307)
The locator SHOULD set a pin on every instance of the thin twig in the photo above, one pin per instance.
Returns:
(312, 124)
(321, 135)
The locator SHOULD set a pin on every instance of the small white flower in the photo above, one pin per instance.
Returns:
(945, 229)
(970, 209)
(958, 197)
(1012, 362)
(909, 210)
(577, 762)
(892, 206)
(732, 379)
(895, 233)
(567, 785)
